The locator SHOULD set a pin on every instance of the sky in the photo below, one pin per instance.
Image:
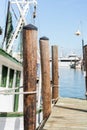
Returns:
(59, 20)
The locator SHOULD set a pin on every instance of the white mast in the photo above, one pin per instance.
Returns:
(23, 7)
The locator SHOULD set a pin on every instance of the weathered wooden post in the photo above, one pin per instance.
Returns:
(29, 75)
(85, 65)
(45, 68)
(54, 73)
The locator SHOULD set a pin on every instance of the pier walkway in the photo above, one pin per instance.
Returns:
(68, 114)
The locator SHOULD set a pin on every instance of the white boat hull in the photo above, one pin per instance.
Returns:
(16, 123)
(64, 64)
(11, 123)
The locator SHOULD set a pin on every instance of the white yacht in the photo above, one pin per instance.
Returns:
(67, 61)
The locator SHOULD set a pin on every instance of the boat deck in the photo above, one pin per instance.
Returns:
(68, 114)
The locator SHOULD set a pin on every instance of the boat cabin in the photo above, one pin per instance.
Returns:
(11, 72)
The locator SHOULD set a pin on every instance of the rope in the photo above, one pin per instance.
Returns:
(6, 90)
(12, 93)
(55, 99)
(56, 86)
(9, 91)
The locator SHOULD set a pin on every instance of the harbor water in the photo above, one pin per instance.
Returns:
(71, 83)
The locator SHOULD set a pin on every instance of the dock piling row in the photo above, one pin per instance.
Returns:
(30, 76)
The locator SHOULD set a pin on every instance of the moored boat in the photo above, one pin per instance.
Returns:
(67, 61)
(76, 65)
(11, 81)
(11, 74)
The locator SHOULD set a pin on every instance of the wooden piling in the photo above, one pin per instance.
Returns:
(29, 75)
(54, 73)
(85, 65)
(45, 68)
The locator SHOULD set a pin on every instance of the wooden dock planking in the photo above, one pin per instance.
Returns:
(68, 114)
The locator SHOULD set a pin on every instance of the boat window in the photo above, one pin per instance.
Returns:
(4, 76)
(11, 76)
(18, 74)
(16, 99)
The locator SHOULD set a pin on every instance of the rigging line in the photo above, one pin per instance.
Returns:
(38, 21)
(6, 20)
(5, 9)
(31, 18)
(8, 9)
(14, 13)
(33, 14)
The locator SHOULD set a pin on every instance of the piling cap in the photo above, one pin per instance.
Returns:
(44, 38)
(30, 27)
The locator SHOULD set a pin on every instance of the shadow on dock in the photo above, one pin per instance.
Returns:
(71, 108)
(68, 114)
